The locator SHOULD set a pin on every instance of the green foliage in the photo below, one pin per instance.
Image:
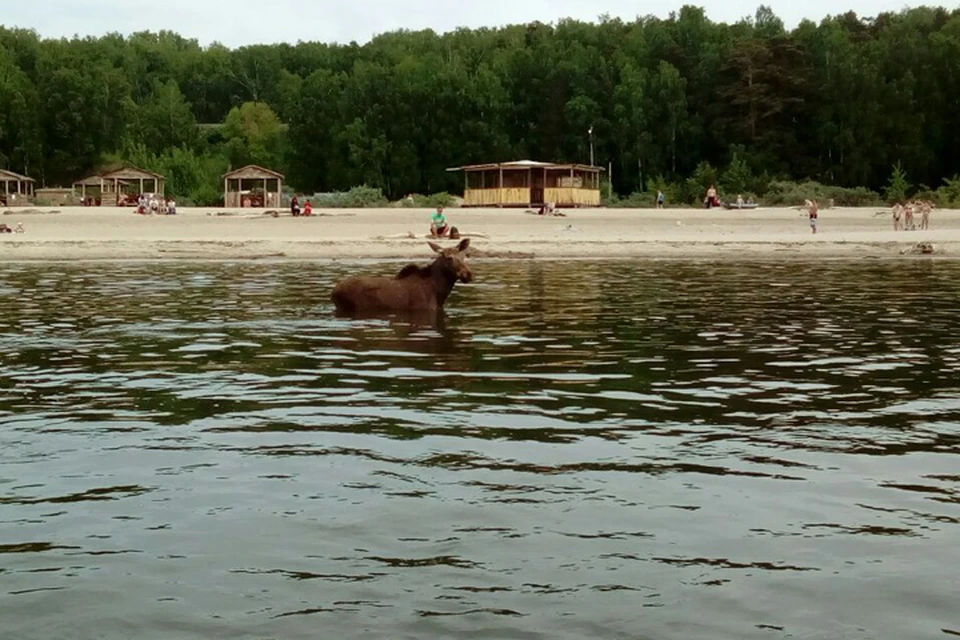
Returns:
(785, 192)
(254, 135)
(432, 201)
(834, 102)
(356, 198)
(636, 200)
(897, 186)
(948, 195)
(738, 177)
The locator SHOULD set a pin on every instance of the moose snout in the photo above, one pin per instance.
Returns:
(465, 276)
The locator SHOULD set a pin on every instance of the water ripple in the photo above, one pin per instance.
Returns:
(621, 449)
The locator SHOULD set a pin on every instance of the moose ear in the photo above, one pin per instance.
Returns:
(463, 245)
(437, 248)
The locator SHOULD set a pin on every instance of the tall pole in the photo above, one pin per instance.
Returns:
(590, 133)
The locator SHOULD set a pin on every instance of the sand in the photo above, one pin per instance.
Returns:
(79, 233)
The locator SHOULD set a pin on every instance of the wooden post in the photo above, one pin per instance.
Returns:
(610, 183)
(500, 190)
(265, 192)
(226, 192)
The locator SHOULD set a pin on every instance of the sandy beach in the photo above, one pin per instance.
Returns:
(76, 233)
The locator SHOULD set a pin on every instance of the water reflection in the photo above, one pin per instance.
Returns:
(569, 450)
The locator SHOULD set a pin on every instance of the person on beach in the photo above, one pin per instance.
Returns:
(295, 206)
(154, 204)
(307, 208)
(896, 217)
(812, 211)
(711, 200)
(439, 227)
(925, 208)
(171, 207)
(660, 199)
(908, 217)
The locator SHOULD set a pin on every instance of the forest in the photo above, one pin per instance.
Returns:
(856, 106)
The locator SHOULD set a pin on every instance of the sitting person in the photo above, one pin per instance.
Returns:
(295, 206)
(439, 227)
(171, 207)
(711, 200)
(307, 208)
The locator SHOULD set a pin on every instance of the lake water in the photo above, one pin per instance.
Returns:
(580, 450)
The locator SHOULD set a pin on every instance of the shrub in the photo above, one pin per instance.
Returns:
(636, 200)
(204, 195)
(356, 198)
(432, 201)
(897, 186)
(787, 192)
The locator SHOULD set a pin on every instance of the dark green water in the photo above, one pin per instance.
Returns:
(613, 450)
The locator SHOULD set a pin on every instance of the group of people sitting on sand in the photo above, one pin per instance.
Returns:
(295, 207)
(156, 206)
(903, 215)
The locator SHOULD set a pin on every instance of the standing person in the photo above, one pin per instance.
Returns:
(896, 217)
(812, 211)
(925, 215)
(438, 224)
(660, 199)
(295, 206)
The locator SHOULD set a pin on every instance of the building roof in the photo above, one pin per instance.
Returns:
(130, 172)
(6, 174)
(524, 164)
(252, 171)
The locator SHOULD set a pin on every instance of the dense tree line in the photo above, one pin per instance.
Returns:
(840, 102)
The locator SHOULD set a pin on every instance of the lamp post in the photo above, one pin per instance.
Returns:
(590, 133)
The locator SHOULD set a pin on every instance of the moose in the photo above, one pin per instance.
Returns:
(414, 289)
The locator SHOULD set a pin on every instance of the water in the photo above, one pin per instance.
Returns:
(612, 450)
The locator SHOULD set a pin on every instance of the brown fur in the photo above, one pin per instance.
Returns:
(414, 288)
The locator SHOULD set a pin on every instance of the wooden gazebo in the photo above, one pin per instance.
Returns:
(16, 185)
(121, 186)
(526, 183)
(252, 186)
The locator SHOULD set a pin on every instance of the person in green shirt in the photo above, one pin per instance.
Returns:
(439, 227)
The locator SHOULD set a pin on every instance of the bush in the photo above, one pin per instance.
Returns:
(203, 196)
(357, 198)
(432, 201)
(948, 195)
(898, 186)
(787, 192)
(636, 200)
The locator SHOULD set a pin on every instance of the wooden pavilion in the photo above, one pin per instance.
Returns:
(527, 183)
(15, 185)
(119, 187)
(252, 186)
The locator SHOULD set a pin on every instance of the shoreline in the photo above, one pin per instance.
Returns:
(73, 234)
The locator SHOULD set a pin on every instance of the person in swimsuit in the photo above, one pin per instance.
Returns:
(896, 217)
(925, 215)
(813, 211)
